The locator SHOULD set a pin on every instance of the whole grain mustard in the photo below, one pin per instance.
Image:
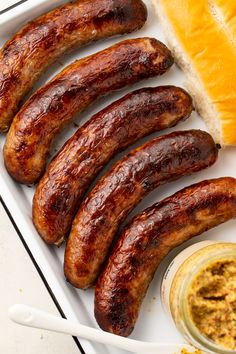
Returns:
(199, 292)
(212, 302)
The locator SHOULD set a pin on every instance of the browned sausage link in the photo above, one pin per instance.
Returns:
(42, 41)
(148, 238)
(49, 109)
(159, 161)
(140, 113)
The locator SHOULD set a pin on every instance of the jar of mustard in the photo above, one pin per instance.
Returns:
(199, 292)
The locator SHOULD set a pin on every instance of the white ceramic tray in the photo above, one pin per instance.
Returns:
(153, 323)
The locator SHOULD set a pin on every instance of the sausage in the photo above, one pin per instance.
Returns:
(38, 44)
(69, 175)
(148, 238)
(71, 91)
(159, 161)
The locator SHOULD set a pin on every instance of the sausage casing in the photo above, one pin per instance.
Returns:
(71, 91)
(69, 175)
(27, 54)
(148, 238)
(157, 162)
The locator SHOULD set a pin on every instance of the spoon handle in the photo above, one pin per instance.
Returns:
(32, 317)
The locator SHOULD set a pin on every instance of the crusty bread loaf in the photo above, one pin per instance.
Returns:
(202, 37)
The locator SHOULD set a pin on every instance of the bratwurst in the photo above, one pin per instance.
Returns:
(159, 161)
(69, 175)
(70, 92)
(27, 54)
(148, 238)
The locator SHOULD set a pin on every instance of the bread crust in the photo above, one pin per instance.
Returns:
(202, 38)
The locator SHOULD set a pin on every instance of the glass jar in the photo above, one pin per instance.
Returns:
(176, 284)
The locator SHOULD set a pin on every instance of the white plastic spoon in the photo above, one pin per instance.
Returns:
(32, 317)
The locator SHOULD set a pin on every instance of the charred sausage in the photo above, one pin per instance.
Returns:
(27, 54)
(71, 91)
(61, 189)
(159, 161)
(148, 238)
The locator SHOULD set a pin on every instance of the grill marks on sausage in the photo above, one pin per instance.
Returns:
(70, 92)
(150, 236)
(105, 134)
(159, 161)
(43, 40)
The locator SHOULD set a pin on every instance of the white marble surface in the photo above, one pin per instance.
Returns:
(20, 283)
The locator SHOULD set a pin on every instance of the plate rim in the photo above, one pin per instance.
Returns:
(38, 269)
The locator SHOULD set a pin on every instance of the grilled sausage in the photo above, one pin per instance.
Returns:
(148, 238)
(140, 113)
(50, 108)
(25, 56)
(159, 161)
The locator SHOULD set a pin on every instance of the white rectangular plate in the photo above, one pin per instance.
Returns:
(8, 4)
(153, 323)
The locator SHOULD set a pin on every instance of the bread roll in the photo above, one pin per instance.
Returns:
(202, 36)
